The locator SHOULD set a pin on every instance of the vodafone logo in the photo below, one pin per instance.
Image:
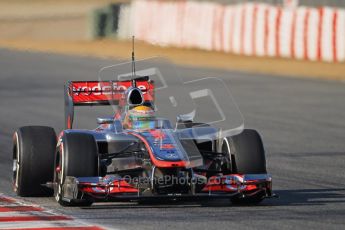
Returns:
(98, 89)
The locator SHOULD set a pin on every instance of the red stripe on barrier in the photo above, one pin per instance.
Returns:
(218, 29)
(319, 39)
(62, 228)
(221, 29)
(278, 23)
(293, 34)
(266, 34)
(232, 25)
(305, 34)
(214, 29)
(33, 218)
(19, 209)
(243, 28)
(334, 38)
(255, 15)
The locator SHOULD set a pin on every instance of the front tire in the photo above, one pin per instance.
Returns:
(248, 157)
(33, 160)
(78, 157)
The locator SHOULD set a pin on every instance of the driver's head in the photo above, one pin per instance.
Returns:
(141, 117)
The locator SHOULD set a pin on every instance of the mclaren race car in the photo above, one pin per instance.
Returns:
(167, 139)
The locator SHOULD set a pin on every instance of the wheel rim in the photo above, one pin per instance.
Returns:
(16, 166)
(59, 176)
(58, 193)
(226, 145)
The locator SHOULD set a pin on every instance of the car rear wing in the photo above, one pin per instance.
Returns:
(93, 93)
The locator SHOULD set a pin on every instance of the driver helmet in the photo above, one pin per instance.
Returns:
(141, 117)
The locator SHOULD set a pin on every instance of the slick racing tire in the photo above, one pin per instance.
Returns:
(248, 157)
(76, 157)
(33, 160)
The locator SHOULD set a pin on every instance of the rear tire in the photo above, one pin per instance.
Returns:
(33, 160)
(77, 158)
(248, 157)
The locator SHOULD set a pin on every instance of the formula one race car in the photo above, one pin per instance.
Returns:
(168, 139)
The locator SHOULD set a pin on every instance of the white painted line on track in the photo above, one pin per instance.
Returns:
(24, 213)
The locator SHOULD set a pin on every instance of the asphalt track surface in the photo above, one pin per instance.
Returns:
(302, 123)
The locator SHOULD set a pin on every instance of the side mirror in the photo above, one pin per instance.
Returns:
(115, 125)
(184, 120)
(105, 120)
(185, 117)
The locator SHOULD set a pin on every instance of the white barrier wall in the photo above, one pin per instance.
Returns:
(252, 29)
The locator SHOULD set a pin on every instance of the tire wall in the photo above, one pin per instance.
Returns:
(252, 29)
